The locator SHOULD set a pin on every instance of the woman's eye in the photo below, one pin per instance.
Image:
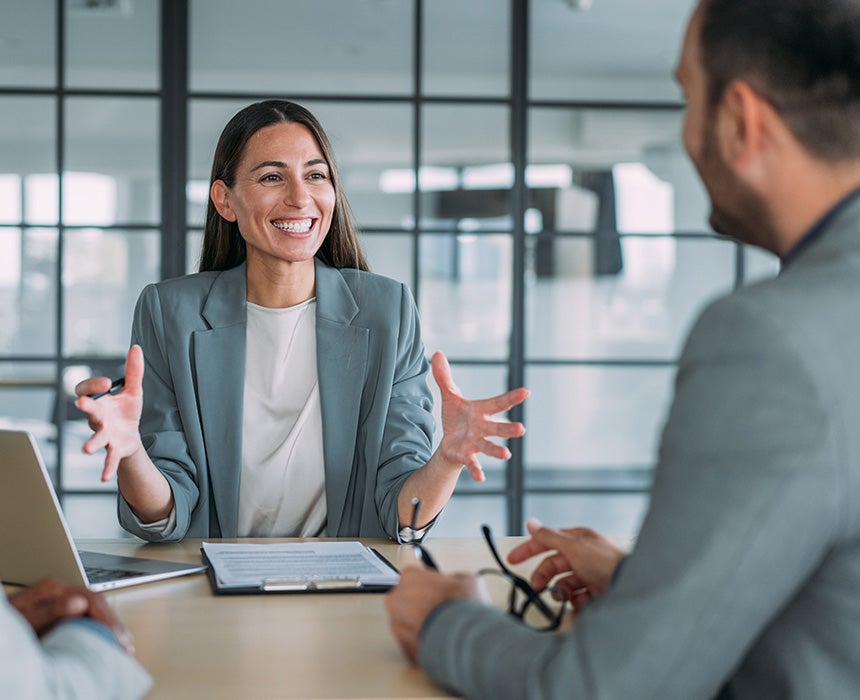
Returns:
(317, 176)
(271, 177)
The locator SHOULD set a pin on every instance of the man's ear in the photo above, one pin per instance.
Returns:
(220, 194)
(743, 124)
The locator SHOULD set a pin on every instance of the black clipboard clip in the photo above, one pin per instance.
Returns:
(274, 585)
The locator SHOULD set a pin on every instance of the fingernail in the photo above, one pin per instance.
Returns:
(533, 524)
(125, 639)
(76, 606)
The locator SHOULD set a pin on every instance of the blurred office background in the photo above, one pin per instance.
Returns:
(517, 163)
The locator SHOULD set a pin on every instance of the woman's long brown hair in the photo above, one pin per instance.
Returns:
(223, 246)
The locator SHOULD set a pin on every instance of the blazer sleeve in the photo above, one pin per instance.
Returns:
(745, 505)
(408, 431)
(161, 426)
(70, 662)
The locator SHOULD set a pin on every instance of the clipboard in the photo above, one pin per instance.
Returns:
(297, 567)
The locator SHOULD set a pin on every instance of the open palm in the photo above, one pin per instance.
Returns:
(467, 425)
(114, 419)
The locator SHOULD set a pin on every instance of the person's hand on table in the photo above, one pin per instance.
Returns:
(416, 595)
(582, 558)
(114, 418)
(466, 424)
(49, 602)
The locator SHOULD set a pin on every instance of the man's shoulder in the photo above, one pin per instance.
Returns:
(805, 311)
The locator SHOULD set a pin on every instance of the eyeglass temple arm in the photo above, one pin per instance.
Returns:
(518, 581)
(488, 536)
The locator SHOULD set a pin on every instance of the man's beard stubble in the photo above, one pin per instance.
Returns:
(737, 211)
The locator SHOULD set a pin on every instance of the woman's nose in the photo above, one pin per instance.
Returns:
(295, 193)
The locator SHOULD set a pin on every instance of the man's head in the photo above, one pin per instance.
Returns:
(772, 87)
(803, 56)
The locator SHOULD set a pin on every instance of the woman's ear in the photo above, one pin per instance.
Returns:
(220, 194)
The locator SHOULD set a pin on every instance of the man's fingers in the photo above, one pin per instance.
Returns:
(554, 539)
(525, 551)
(571, 585)
(47, 602)
(540, 542)
(548, 569)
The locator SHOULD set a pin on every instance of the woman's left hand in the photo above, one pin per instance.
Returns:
(466, 425)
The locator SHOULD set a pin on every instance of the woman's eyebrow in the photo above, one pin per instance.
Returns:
(281, 164)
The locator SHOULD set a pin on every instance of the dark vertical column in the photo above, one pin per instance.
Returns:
(174, 134)
(417, 60)
(59, 395)
(516, 362)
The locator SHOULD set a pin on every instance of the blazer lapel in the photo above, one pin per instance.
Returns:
(219, 356)
(341, 368)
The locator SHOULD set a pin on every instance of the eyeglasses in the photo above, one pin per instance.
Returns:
(524, 602)
(420, 551)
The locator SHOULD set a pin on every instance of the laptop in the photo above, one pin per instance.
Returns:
(35, 541)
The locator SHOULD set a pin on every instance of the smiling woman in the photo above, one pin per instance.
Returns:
(282, 391)
(281, 200)
(275, 147)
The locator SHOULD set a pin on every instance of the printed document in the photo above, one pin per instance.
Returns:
(298, 566)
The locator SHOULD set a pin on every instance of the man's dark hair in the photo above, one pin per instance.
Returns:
(803, 56)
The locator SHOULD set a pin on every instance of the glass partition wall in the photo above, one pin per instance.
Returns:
(517, 163)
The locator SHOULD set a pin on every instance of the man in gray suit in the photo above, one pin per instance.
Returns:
(745, 579)
(58, 641)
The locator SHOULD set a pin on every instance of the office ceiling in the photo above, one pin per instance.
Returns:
(615, 50)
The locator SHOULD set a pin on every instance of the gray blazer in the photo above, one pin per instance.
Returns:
(72, 661)
(745, 579)
(376, 406)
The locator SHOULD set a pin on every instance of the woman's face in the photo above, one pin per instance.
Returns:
(282, 198)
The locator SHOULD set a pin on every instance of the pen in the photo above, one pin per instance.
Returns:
(115, 386)
(420, 552)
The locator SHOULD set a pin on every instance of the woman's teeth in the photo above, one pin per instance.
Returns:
(302, 226)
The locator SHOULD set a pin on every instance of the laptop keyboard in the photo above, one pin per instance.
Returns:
(97, 574)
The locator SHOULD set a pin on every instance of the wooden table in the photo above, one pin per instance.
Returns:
(198, 645)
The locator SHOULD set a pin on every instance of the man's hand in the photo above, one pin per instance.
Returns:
(583, 558)
(414, 597)
(49, 602)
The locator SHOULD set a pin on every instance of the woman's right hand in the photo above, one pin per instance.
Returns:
(114, 418)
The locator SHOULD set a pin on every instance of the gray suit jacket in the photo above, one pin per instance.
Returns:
(745, 579)
(376, 406)
(71, 661)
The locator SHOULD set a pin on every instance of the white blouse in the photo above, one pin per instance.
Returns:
(282, 483)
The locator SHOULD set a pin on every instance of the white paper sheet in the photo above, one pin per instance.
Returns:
(298, 565)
